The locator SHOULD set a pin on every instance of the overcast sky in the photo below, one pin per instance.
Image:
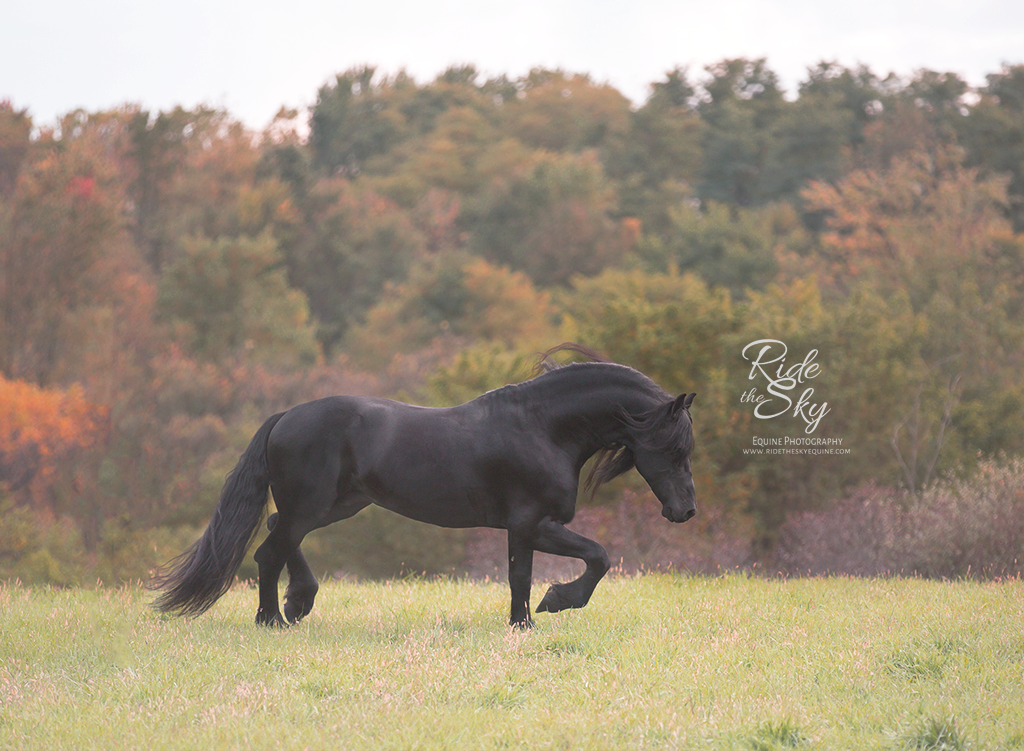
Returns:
(253, 57)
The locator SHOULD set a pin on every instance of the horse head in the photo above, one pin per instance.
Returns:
(661, 453)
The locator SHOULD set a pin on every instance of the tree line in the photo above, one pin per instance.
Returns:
(167, 279)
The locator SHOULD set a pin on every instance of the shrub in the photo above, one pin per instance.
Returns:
(957, 528)
(38, 553)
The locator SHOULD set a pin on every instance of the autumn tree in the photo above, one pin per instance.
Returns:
(933, 232)
(37, 426)
(62, 242)
(552, 219)
(225, 298)
(352, 242)
(43, 435)
(188, 170)
(454, 296)
(918, 225)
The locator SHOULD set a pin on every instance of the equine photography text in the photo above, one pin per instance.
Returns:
(801, 445)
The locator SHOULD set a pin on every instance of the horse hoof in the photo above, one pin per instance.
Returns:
(295, 613)
(552, 602)
(298, 602)
(270, 621)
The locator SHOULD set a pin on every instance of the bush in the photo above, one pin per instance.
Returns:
(39, 554)
(957, 528)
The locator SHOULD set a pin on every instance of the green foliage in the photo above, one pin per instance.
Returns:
(351, 122)
(726, 246)
(228, 297)
(354, 242)
(559, 111)
(15, 143)
(50, 555)
(811, 141)
(742, 103)
(453, 295)
(994, 132)
(660, 158)
(552, 219)
(671, 327)
(475, 371)
(185, 171)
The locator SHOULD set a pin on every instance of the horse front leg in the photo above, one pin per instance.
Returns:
(520, 578)
(551, 537)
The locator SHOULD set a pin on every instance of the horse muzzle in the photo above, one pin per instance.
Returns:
(678, 515)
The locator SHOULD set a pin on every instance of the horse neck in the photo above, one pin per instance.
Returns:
(584, 403)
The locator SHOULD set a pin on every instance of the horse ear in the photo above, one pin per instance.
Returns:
(683, 401)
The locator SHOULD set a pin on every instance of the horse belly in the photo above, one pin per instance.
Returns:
(434, 492)
(459, 508)
(440, 468)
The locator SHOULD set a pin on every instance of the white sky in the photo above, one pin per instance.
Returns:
(253, 57)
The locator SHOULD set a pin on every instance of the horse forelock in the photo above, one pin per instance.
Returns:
(663, 430)
(660, 430)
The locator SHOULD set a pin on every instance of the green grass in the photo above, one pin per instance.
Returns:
(652, 662)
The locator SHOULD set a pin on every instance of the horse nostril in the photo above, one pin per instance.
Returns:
(689, 514)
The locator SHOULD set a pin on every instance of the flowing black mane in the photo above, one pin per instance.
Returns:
(658, 428)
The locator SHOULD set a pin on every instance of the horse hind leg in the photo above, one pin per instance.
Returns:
(272, 555)
(302, 582)
(300, 510)
(302, 588)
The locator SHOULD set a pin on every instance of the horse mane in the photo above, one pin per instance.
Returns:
(545, 364)
(658, 429)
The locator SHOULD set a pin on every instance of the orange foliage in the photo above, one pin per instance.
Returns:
(47, 420)
(925, 211)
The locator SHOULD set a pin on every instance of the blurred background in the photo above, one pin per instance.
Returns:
(172, 274)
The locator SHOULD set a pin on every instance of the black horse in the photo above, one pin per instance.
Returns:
(510, 459)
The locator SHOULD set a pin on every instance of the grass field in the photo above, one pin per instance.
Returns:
(655, 661)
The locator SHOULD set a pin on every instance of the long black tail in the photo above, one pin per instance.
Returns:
(197, 578)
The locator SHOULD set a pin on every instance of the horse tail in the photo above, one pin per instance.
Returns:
(197, 578)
